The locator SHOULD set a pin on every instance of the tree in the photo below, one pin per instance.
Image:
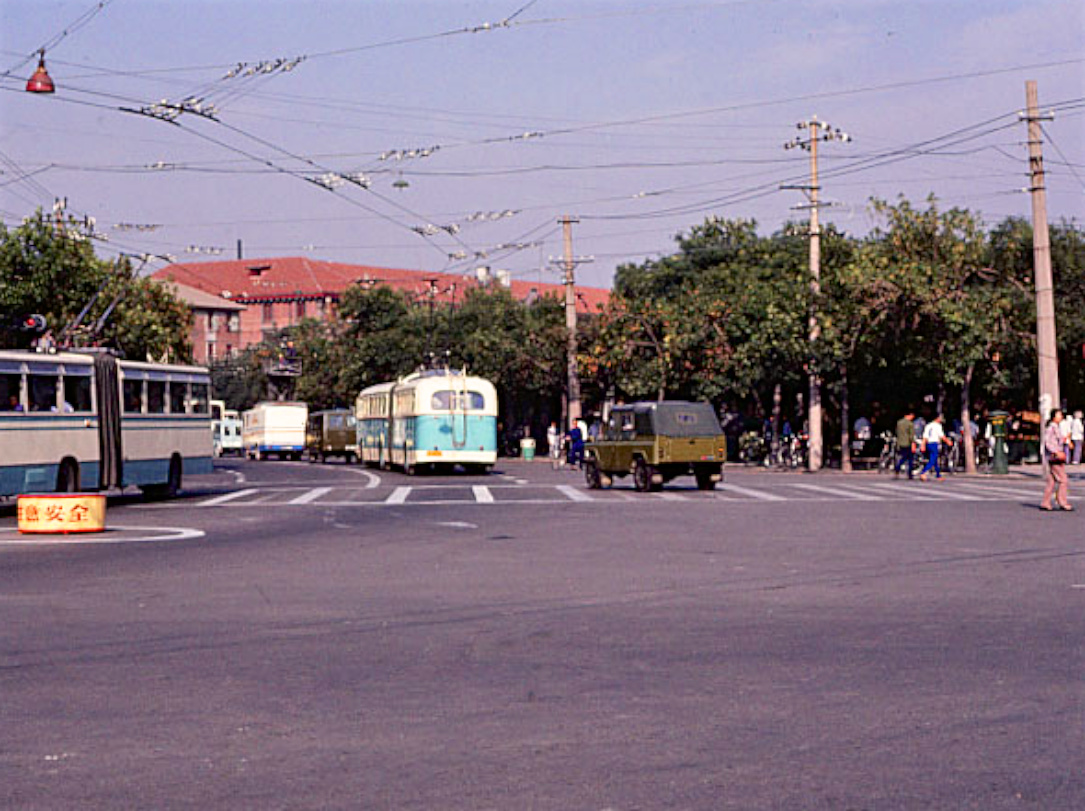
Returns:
(51, 269)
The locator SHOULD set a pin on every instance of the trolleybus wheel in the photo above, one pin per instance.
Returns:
(68, 477)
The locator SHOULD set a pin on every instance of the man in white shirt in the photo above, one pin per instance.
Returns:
(933, 437)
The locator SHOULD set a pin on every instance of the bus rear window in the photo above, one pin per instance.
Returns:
(43, 392)
(77, 393)
(457, 400)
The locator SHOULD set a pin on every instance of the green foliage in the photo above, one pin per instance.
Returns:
(53, 271)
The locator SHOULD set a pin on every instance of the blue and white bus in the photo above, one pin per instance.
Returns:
(88, 421)
(430, 420)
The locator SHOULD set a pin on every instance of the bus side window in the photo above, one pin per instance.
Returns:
(133, 396)
(10, 394)
(156, 397)
(43, 392)
(77, 393)
(199, 398)
(178, 395)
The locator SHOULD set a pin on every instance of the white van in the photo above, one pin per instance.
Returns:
(274, 428)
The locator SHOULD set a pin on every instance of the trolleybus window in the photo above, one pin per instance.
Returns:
(10, 395)
(133, 396)
(77, 390)
(199, 398)
(178, 395)
(156, 396)
(43, 391)
(458, 400)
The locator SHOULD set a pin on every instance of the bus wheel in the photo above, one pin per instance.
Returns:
(173, 484)
(68, 477)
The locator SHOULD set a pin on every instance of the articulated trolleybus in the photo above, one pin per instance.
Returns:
(89, 421)
(431, 419)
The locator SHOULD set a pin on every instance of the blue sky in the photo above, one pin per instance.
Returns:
(640, 119)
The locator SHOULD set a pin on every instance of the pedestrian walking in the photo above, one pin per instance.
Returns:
(1077, 434)
(553, 445)
(933, 437)
(575, 438)
(1055, 451)
(905, 443)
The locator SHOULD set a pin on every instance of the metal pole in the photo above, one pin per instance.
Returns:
(573, 395)
(1046, 346)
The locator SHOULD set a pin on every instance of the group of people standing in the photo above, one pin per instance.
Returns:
(568, 448)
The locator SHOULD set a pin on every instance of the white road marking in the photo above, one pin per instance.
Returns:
(239, 477)
(482, 494)
(572, 493)
(669, 497)
(758, 494)
(214, 502)
(398, 496)
(109, 536)
(814, 488)
(1008, 492)
(373, 479)
(925, 491)
(311, 496)
(457, 524)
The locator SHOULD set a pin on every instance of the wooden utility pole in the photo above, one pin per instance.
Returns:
(817, 131)
(572, 371)
(1046, 346)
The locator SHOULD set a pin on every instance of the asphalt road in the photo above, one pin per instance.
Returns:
(297, 636)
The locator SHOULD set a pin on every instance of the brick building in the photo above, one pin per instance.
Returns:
(237, 303)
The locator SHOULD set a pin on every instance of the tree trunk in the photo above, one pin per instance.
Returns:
(966, 421)
(845, 423)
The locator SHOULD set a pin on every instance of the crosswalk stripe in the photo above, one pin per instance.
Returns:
(813, 488)
(482, 494)
(758, 494)
(398, 496)
(311, 496)
(572, 493)
(930, 492)
(670, 497)
(212, 502)
(1008, 492)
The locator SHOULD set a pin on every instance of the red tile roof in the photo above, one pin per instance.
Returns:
(293, 277)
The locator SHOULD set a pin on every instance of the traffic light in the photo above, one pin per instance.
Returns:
(33, 323)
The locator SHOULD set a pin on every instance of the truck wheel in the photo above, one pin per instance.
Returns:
(704, 480)
(642, 475)
(591, 474)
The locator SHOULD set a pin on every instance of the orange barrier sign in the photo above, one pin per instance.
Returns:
(61, 513)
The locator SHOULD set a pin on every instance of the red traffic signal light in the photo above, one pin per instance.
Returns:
(33, 323)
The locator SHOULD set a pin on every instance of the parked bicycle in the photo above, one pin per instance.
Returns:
(887, 460)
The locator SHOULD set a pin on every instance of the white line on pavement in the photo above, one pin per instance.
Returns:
(837, 491)
(373, 479)
(482, 494)
(398, 496)
(214, 502)
(311, 496)
(930, 491)
(669, 497)
(758, 494)
(572, 493)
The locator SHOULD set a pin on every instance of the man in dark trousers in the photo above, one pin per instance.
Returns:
(905, 442)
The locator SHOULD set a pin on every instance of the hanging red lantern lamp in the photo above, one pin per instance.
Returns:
(41, 82)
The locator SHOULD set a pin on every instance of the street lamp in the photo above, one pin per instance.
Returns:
(41, 82)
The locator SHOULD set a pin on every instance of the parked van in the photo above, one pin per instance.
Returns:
(274, 428)
(226, 433)
(331, 433)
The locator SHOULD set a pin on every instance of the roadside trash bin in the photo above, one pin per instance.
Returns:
(999, 459)
(527, 448)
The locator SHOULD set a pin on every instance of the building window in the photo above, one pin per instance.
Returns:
(233, 323)
(301, 309)
(269, 313)
(210, 350)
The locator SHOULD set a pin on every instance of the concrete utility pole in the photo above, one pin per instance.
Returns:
(1046, 345)
(572, 372)
(817, 131)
